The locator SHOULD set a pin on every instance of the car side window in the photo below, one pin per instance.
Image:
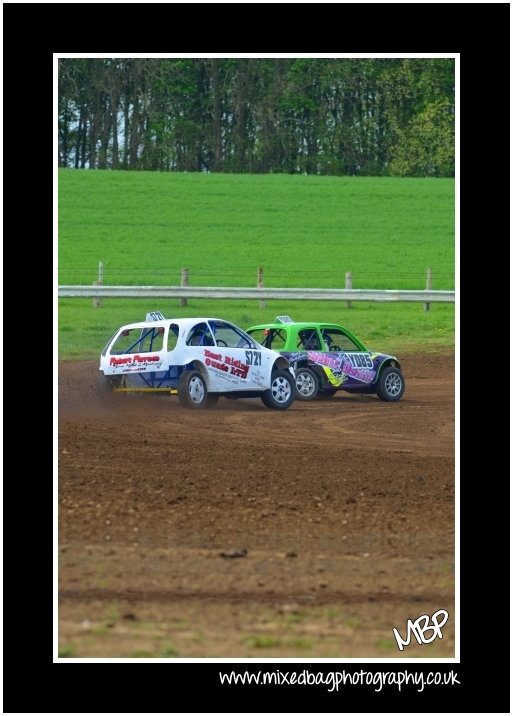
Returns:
(200, 335)
(278, 340)
(172, 337)
(309, 339)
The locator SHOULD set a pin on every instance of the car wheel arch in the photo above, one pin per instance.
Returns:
(317, 369)
(201, 368)
(388, 362)
(281, 364)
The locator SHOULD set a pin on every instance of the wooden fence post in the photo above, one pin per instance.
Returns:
(349, 284)
(260, 283)
(429, 286)
(97, 302)
(184, 282)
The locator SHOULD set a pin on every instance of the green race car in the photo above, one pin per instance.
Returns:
(326, 357)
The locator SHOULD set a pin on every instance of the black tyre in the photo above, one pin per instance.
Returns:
(282, 392)
(106, 386)
(327, 393)
(307, 384)
(212, 400)
(390, 385)
(192, 389)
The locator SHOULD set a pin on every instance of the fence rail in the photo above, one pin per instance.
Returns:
(260, 294)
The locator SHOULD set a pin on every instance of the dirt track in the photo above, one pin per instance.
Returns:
(345, 509)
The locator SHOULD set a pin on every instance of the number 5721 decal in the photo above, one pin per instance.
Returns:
(253, 358)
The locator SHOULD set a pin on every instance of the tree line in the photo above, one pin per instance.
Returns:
(373, 117)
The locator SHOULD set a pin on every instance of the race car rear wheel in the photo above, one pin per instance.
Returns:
(107, 384)
(282, 392)
(307, 384)
(192, 389)
(327, 393)
(390, 385)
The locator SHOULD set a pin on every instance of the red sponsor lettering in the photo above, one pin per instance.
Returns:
(119, 361)
(133, 359)
(215, 364)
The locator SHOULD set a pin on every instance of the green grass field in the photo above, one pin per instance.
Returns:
(304, 231)
(386, 327)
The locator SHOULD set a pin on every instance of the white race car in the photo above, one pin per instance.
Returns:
(200, 359)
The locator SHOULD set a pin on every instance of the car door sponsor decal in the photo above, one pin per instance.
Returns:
(135, 363)
(360, 360)
(295, 357)
(227, 364)
(327, 359)
(341, 366)
(359, 366)
(253, 357)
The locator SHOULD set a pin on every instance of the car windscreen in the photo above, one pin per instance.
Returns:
(336, 340)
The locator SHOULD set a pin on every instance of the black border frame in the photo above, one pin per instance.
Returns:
(480, 33)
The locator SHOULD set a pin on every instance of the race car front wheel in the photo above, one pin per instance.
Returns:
(390, 385)
(192, 389)
(282, 392)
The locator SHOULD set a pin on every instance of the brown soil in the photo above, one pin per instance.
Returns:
(335, 519)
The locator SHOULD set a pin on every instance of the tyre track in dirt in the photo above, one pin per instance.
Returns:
(345, 508)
